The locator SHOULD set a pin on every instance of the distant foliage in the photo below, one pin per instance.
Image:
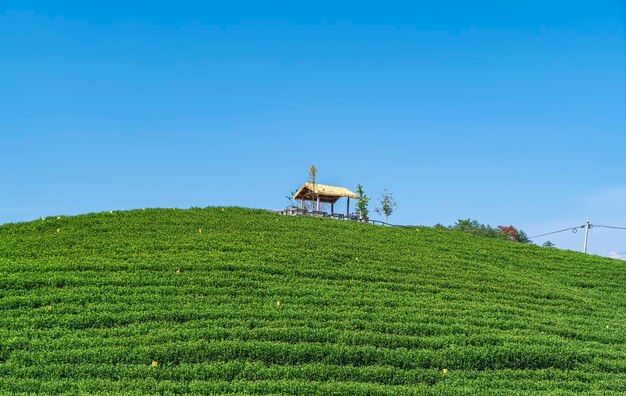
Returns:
(549, 244)
(514, 234)
(475, 228)
(501, 232)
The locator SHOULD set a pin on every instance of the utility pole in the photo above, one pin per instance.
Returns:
(586, 235)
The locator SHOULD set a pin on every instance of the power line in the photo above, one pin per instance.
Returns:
(613, 227)
(587, 227)
(573, 229)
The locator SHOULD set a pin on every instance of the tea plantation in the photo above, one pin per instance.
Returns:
(238, 301)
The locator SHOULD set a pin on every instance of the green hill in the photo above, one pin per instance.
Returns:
(229, 300)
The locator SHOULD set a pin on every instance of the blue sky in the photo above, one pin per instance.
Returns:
(507, 112)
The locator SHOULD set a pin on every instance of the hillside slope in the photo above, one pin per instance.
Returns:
(229, 300)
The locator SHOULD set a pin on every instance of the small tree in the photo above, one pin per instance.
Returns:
(514, 234)
(387, 205)
(312, 175)
(312, 180)
(362, 202)
(549, 244)
(510, 232)
(522, 237)
(292, 202)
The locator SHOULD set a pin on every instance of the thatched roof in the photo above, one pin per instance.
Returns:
(329, 194)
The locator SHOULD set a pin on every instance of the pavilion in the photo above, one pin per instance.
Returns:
(322, 193)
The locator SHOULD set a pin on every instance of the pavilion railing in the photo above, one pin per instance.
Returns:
(295, 211)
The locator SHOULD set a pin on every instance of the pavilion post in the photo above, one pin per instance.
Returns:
(332, 208)
(302, 203)
(348, 207)
(317, 208)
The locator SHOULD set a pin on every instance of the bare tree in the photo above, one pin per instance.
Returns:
(387, 205)
(312, 179)
(312, 175)
(292, 202)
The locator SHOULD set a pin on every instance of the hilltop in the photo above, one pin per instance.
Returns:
(231, 300)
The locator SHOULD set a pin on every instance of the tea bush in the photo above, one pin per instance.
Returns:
(239, 301)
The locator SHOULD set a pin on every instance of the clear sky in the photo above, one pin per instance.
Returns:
(509, 112)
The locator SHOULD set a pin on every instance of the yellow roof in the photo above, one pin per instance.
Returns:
(326, 193)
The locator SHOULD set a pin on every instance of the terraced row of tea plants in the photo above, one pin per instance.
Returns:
(237, 301)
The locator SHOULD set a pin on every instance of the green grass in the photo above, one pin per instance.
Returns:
(258, 303)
